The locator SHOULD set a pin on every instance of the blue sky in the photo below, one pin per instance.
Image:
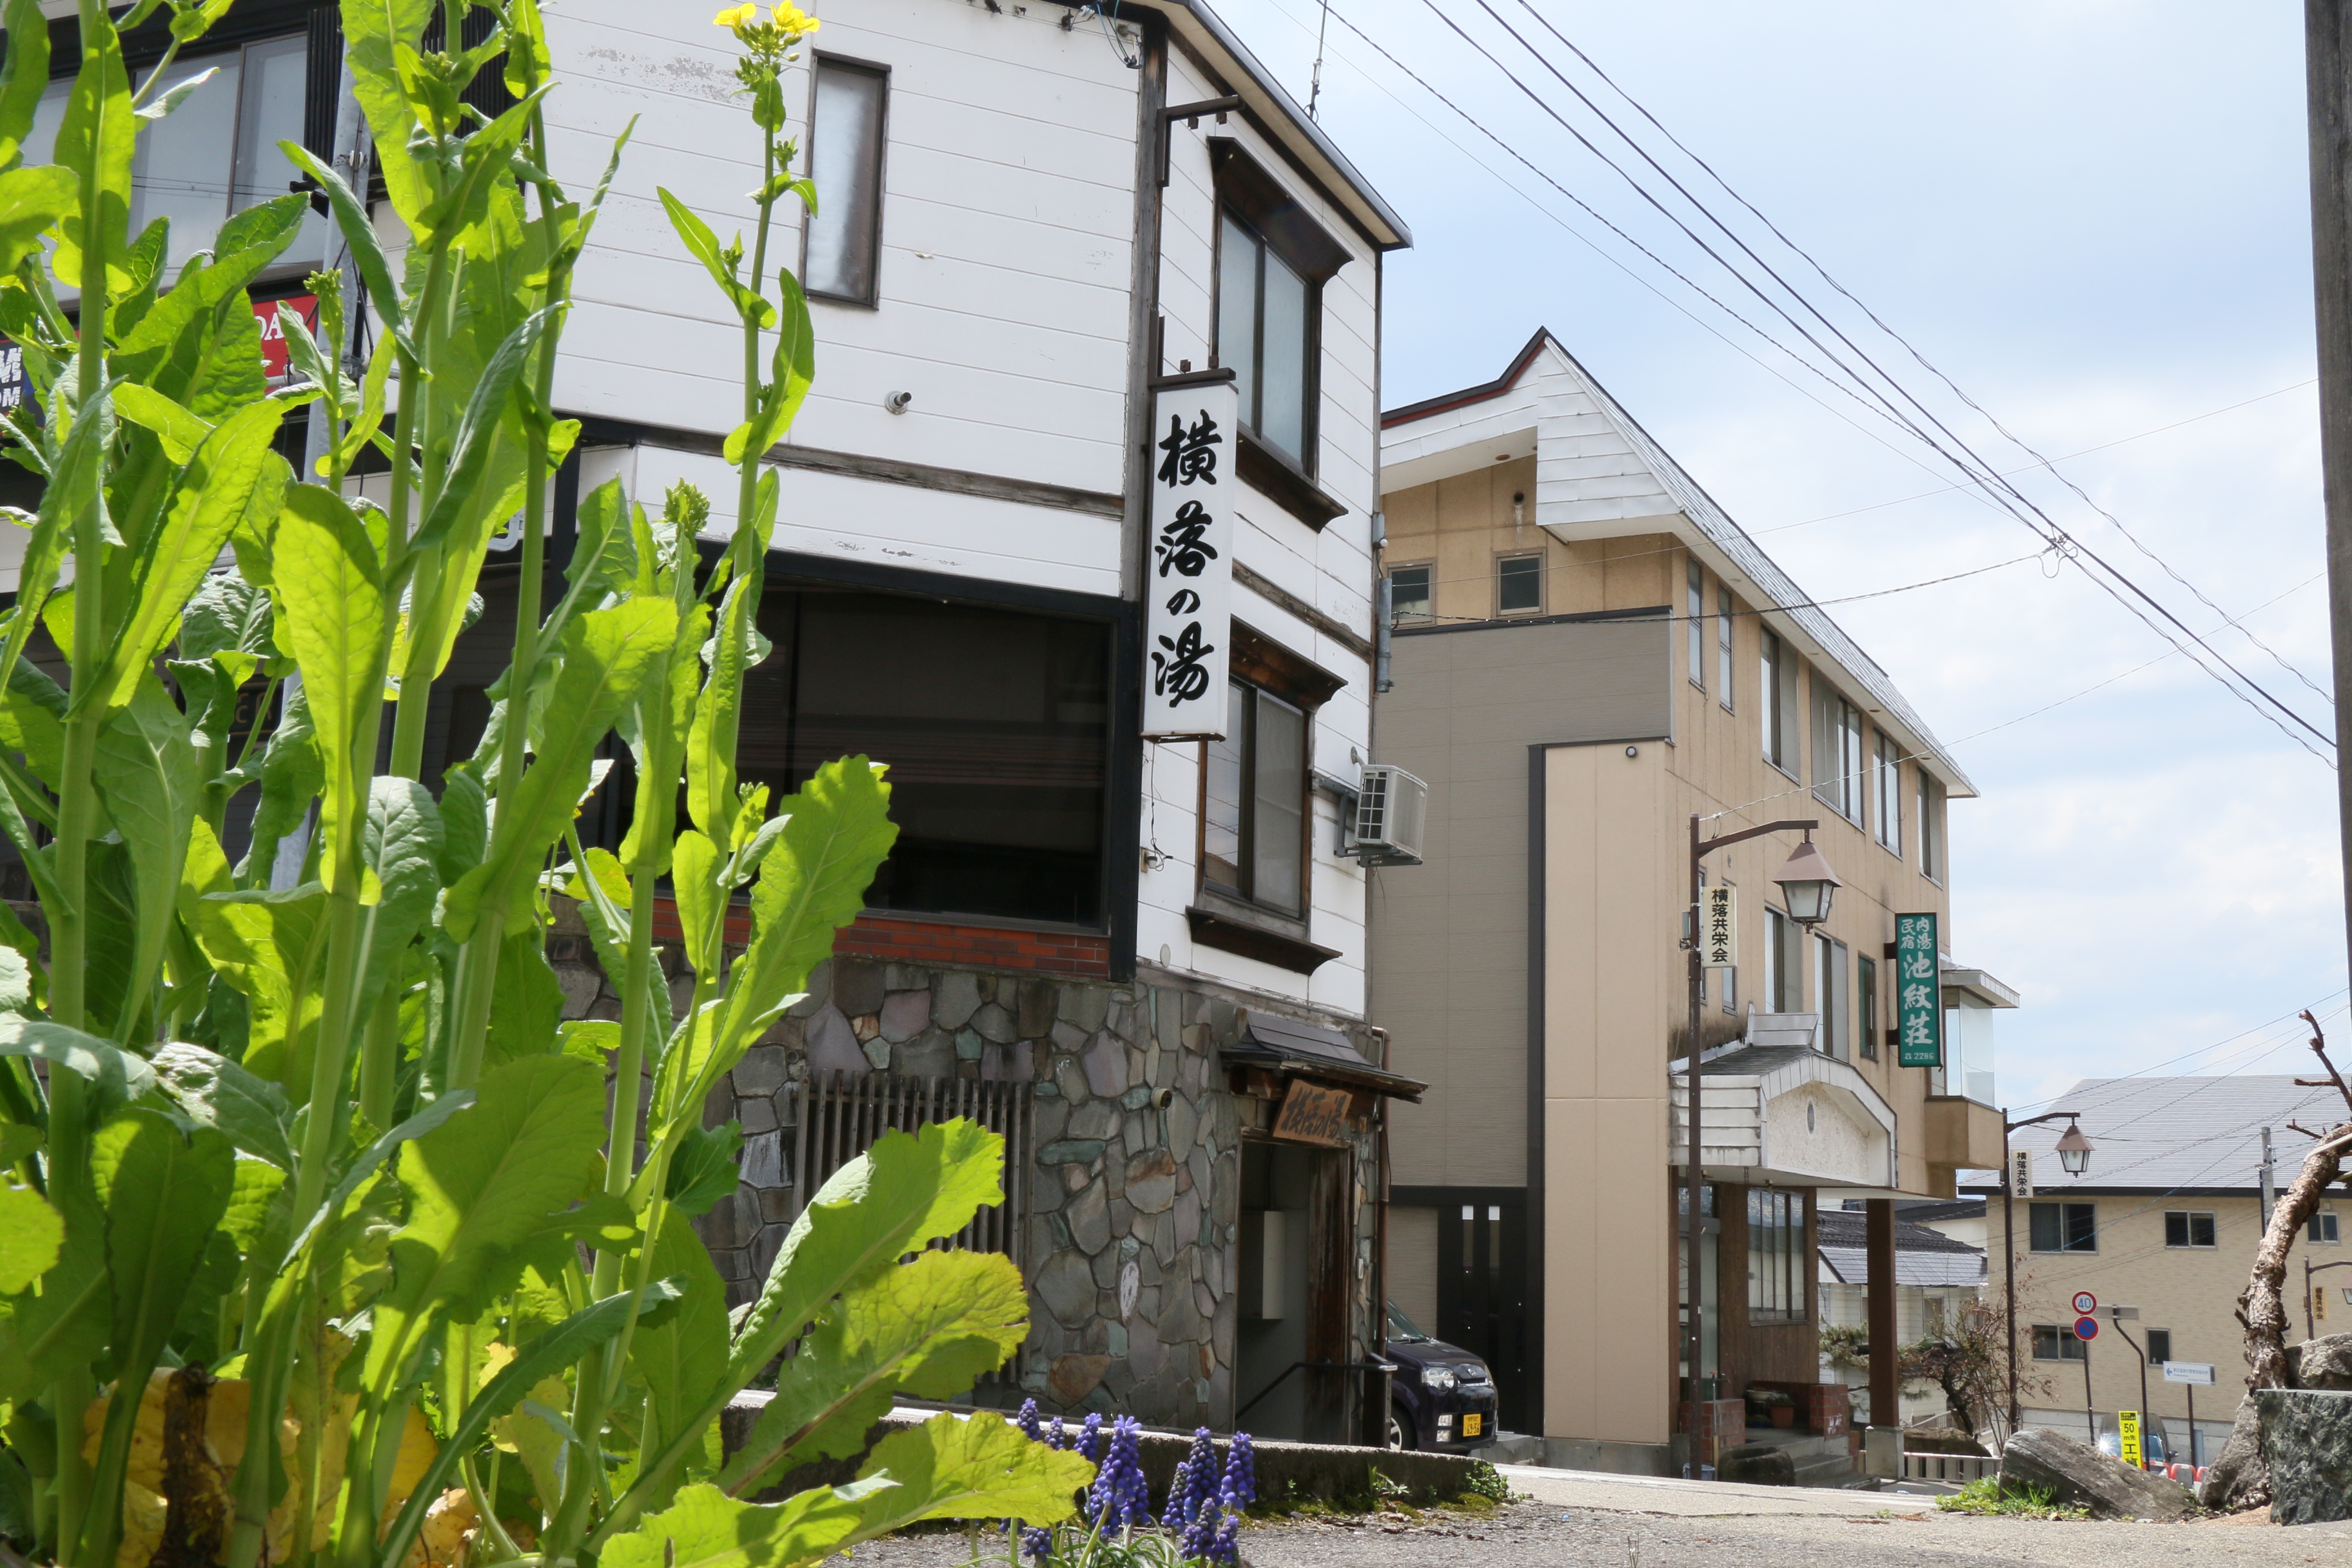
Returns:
(2092, 215)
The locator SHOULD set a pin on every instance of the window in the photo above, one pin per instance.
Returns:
(2159, 1346)
(2322, 1228)
(217, 154)
(995, 725)
(1723, 647)
(1784, 980)
(1837, 751)
(1253, 834)
(1731, 989)
(2186, 1228)
(1695, 626)
(1931, 826)
(1886, 790)
(842, 246)
(1408, 594)
(1518, 584)
(2065, 1227)
(1865, 1005)
(1265, 320)
(1834, 998)
(2057, 1341)
(1779, 704)
(1778, 1286)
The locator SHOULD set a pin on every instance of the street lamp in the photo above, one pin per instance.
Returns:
(1807, 884)
(2074, 1155)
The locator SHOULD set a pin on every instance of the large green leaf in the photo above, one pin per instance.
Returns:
(292, 771)
(838, 829)
(481, 1186)
(701, 902)
(213, 1091)
(401, 851)
(331, 584)
(975, 1466)
(926, 1329)
(32, 721)
(359, 233)
(707, 1528)
(227, 614)
(145, 771)
(485, 409)
(270, 947)
(526, 1001)
(95, 139)
(792, 370)
(232, 470)
(115, 1075)
(24, 79)
(607, 656)
(703, 246)
(372, 30)
(683, 1361)
(32, 1234)
(31, 202)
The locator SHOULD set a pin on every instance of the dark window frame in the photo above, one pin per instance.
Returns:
(1267, 670)
(1865, 1004)
(2072, 1227)
(1260, 205)
(2186, 1228)
(820, 61)
(1429, 588)
(2159, 1346)
(1520, 558)
(2057, 1341)
(1779, 1276)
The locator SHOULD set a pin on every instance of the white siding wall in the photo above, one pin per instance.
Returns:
(1331, 570)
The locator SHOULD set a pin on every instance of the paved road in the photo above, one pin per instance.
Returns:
(1577, 1520)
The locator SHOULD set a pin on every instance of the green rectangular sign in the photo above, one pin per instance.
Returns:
(1918, 992)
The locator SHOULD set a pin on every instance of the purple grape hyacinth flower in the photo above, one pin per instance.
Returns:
(1120, 1496)
(1195, 1485)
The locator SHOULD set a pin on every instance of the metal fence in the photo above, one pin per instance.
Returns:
(1953, 1469)
(835, 1117)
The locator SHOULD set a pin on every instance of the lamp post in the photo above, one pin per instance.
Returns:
(2118, 1316)
(2074, 1155)
(1807, 886)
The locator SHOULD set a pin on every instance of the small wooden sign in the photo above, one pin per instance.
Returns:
(1312, 1113)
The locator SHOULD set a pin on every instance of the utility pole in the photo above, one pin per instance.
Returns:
(2270, 1180)
(2328, 34)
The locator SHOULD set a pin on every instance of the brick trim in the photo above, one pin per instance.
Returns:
(934, 942)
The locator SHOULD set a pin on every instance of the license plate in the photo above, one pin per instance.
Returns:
(1471, 1425)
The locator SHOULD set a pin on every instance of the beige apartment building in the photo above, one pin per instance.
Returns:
(1585, 652)
(2165, 1221)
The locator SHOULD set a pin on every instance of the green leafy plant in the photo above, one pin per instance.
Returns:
(1986, 1495)
(1487, 1482)
(322, 1240)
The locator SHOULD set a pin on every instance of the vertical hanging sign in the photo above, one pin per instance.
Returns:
(1189, 572)
(1918, 992)
(1719, 928)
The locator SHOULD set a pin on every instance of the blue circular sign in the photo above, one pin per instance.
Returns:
(2086, 1328)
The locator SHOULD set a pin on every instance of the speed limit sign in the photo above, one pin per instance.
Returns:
(2086, 1303)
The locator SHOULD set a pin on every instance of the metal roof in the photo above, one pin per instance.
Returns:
(2177, 1135)
(1922, 1257)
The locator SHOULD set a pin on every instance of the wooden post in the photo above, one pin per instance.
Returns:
(1885, 1351)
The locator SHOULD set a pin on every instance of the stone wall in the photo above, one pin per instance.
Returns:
(1134, 1186)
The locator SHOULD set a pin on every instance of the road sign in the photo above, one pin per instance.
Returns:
(2086, 1303)
(2086, 1328)
(2196, 1371)
(2127, 1431)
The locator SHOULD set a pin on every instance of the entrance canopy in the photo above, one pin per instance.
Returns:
(1787, 1115)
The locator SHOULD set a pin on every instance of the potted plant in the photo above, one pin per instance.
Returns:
(1778, 1407)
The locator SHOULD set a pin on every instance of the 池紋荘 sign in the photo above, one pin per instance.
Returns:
(1188, 578)
(1918, 993)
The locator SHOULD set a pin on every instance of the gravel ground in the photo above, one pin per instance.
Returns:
(1544, 1535)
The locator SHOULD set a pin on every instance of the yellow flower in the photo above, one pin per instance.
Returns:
(736, 16)
(793, 22)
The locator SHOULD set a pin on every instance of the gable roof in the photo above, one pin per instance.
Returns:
(2192, 1136)
(1922, 1257)
(1595, 463)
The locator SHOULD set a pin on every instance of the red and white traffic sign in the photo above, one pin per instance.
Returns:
(2086, 1328)
(2084, 1305)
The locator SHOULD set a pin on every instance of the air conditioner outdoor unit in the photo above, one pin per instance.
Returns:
(1391, 809)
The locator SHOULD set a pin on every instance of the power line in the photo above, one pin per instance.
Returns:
(1979, 471)
(1907, 345)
